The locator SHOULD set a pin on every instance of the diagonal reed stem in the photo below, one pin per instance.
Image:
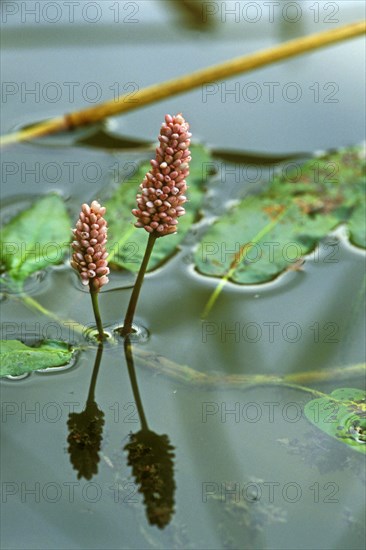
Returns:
(184, 83)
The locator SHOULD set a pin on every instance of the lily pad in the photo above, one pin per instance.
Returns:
(266, 234)
(36, 238)
(18, 358)
(126, 243)
(342, 415)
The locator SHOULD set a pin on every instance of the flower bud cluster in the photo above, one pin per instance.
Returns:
(90, 255)
(162, 190)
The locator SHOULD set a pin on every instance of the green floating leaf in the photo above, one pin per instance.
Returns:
(35, 238)
(267, 234)
(126, 243)
(357, 226)
(18, 358)
(342, 415)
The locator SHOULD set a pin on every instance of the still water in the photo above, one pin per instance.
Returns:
(240, 468)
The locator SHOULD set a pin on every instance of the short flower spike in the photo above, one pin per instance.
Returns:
(90, 255)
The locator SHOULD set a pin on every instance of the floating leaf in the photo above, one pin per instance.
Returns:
(342, 414)
(266, 234)
(35, 238)
(18, 358)
(357, 226)
(126, 243)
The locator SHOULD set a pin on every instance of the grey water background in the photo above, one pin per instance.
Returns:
(211, 449)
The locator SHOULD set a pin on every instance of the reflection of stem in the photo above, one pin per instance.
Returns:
(93, 381)
(86, 430)
(188, 82)
(134, 385)
(151, 457)
(127, 325)
(98, 319)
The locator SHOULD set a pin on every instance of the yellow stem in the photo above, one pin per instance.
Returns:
(169, 88)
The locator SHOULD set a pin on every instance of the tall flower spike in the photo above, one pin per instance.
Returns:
(90, 255)
(162, 190)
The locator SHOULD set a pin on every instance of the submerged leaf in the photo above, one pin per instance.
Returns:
(36, 238)
(342, 415)
(18, 358)
(126, 243)
(265, 235)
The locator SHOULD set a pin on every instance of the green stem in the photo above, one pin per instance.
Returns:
(33, 304)
(187, 375)
(98, 319)
(127, 325)
(198, 379)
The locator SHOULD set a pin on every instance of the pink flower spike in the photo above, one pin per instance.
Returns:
(166, 177)
(90, 236)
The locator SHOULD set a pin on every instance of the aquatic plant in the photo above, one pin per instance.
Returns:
(159, 205)
(161, 198)
(90, 254)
